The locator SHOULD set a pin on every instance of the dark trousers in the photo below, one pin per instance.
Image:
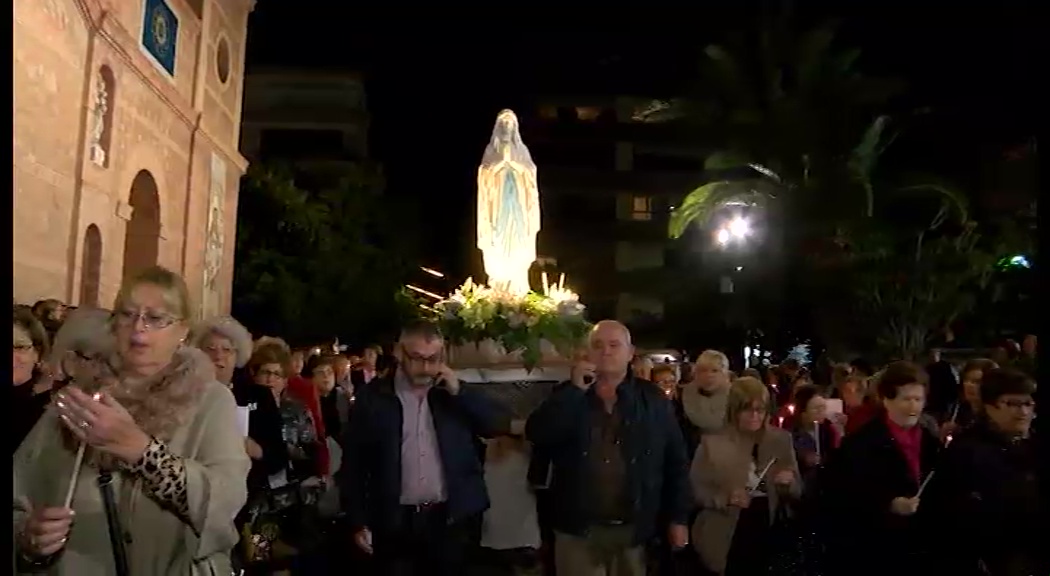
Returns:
(515, 562)
(544, 508)
(424, 544)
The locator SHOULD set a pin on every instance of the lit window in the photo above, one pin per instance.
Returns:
(588, 113)
(641, 208)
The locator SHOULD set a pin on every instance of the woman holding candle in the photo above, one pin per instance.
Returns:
(873, 483)
(740, 477)
(813, 435)
(152, 415)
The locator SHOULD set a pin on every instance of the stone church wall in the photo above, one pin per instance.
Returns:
(123, 109)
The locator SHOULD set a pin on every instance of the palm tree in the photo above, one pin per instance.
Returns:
(789, 108)
(803, 133)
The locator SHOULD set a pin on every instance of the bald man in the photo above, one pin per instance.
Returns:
(619, 462)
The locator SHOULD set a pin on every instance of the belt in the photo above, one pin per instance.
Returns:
(423, 507)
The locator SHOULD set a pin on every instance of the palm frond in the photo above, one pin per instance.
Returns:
(872, 144)
(814, 52)
(845, 62)
(953, 201)
(725, 160)
(727, 73)
(703, 202)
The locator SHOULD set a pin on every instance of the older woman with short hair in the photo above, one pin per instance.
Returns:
(740, 477)
(229, 346)
(153, 417)
(226, 342)
(303, 390)
(704, 399)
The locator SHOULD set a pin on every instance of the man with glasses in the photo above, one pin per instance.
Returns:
(412, 486)
(988, 485)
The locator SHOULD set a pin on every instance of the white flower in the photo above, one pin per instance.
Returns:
(450, 308)
(570, 308)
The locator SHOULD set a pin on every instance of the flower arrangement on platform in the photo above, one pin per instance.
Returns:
(517, 322)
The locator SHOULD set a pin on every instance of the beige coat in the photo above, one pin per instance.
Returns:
(162, 544)
(721, 465)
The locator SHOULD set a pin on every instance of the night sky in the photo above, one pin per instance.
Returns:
(436, 78)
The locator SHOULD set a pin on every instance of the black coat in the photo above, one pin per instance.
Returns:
(27, 408)
(944, 387)
(862, 478)
(264, 427)
(990, 504)
(370, 476)
(657, 465)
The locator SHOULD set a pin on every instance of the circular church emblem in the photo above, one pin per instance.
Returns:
(160, 28)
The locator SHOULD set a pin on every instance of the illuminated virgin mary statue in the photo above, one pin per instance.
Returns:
(508, 207)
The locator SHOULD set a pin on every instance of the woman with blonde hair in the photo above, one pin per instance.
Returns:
(704, 399)
(165, 463)
(741, 477)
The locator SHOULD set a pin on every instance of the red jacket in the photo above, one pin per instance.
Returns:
(305, 391)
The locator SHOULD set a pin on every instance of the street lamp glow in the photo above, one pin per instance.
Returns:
(739, 228)
(722, 237)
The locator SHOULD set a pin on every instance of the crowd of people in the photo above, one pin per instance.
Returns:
(150, 443)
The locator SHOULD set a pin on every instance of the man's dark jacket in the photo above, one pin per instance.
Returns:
(370, 477)
(653, 451)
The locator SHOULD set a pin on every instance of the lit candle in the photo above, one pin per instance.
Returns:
(780, 422)
(546, 287)
(791, 409)
(561, 281)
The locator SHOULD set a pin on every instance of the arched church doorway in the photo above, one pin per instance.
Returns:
(91, 267)
(142, 240)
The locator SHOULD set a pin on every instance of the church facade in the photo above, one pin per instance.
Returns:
(126, 122)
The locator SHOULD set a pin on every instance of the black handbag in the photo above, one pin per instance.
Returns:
(795, 549)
